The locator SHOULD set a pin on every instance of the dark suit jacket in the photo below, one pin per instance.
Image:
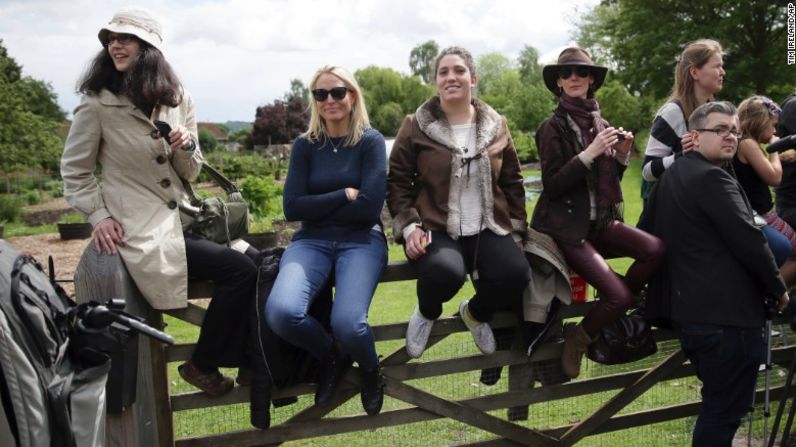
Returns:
(718, 267)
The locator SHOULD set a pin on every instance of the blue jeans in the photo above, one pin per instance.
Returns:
(778, 243)
(726, 360)
(305, 267)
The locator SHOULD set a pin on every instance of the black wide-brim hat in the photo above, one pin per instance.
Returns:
(573, 56)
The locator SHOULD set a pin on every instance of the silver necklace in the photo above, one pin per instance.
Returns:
(334, 146)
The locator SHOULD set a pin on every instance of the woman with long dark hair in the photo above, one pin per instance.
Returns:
(458, 205)
(757, 172)
(583, 158)
(134, 202)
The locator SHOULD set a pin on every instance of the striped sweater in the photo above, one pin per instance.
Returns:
(664, 144)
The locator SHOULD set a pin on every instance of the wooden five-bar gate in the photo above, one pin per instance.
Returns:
(150, 420)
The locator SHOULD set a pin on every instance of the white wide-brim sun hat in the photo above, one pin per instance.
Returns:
(136, 21)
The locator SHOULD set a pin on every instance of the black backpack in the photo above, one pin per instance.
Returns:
(52, 393)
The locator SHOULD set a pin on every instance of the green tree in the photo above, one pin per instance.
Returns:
(528, 64)
(525, 145)
(240, 135)
(421, 60)
(525, 102)
(390, 95)
(29, 117)
(388, 118)
(41, 98)
(414, 93)
(207, 141)
(752, 33)
(298, 90)
(620, 107)
(380, 85)
(10, 71)
(489, 68)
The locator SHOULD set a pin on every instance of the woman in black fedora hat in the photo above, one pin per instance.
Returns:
(583, 158)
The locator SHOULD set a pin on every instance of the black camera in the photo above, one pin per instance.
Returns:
(164, 129)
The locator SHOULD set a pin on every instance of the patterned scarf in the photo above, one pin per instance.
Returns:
(604, 177)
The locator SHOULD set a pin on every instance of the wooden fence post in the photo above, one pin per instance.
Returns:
(99, 277)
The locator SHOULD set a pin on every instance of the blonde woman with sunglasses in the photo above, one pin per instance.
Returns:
(335, 186)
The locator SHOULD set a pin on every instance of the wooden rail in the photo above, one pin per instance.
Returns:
(309, 421)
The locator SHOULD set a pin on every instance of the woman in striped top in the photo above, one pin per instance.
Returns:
(698, 76)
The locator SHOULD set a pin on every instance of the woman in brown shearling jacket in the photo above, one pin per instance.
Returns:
(457, 201)
(582, 162)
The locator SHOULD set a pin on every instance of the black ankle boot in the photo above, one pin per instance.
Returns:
(490, 376)
(330, 370)
(372, 391)
(260, 401)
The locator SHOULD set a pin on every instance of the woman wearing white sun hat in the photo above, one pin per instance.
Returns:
(135, 208)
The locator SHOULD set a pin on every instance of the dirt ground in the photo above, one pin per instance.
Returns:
(66, 254)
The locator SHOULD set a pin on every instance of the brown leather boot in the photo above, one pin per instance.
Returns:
(576, 342)
(213, 383)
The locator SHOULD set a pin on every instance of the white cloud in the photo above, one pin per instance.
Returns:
(234, 55)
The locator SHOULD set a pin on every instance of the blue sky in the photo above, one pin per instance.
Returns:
(233, 55)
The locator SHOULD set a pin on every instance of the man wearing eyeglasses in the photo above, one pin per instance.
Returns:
(717, 272)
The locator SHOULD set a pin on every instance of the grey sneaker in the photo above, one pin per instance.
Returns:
(417, 333)
(482, 333)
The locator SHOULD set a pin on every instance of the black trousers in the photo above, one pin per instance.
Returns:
(502, 273)
(224, 333)
(727, 360)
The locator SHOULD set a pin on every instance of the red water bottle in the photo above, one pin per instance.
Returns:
(579, 287)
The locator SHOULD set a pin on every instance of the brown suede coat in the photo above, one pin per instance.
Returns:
(423, 185)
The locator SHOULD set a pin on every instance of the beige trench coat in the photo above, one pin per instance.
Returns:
(139, 186)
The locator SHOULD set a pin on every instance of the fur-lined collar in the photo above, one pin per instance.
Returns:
(433, 122)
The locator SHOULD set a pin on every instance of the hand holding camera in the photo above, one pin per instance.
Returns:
(624, 141)
(178, 138)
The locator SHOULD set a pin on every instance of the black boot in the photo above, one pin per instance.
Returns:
(490, 376)
(260, 401)
(330, 369)
(372, 392)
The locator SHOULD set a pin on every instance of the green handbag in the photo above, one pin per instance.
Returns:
(215, 219)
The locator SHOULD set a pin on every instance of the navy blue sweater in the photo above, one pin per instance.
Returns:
(316, 181)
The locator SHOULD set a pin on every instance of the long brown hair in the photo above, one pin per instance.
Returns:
(150, 81)
(755, 115)
(696, 54)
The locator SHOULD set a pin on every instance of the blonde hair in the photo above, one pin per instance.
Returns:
(359, 121)
(754, 113)
(696, 54)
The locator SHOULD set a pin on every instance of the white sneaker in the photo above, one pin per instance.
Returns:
(417, 333)
(482, 333)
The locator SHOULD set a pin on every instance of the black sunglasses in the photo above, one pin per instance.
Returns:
(566, 71)
(337, 93)
(123, 39)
